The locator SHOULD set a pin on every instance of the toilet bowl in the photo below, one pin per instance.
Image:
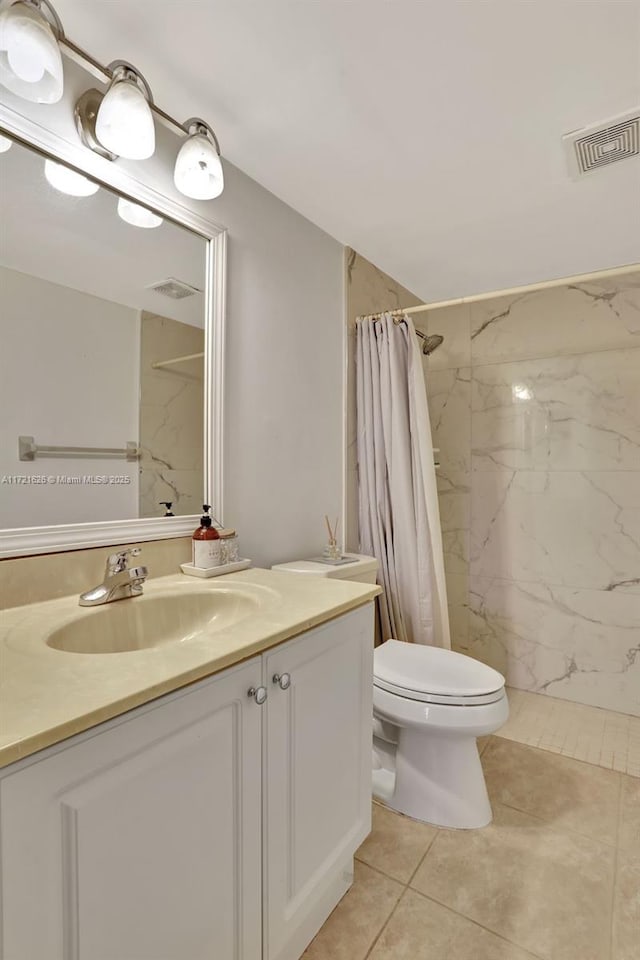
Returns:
(429, 706)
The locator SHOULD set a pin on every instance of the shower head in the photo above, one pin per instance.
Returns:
(431, 343)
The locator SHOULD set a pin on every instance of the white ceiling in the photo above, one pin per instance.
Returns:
(82, 243)
(424, 133)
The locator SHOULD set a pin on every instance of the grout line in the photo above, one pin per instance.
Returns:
(424, 856)
(615, 868)
(384, 925)
(404, 883)
(567, 756)
(387, 876)
(550, 824)
(595, 735)
(477, 923)
(561, 701)
(557, 829)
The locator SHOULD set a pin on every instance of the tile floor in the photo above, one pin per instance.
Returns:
(608, 739)
(556, 876)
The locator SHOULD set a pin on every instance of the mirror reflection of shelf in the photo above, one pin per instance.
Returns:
(28, 450)
(161, 364)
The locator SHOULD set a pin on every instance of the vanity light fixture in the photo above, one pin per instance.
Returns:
(30, 58)
(118, 123)
(68, 181)
(5, 144)
(198, 171)
(136, 215)
(124, 121)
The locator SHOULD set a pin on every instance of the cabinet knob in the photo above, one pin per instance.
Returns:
(282, 680)
(259, 694)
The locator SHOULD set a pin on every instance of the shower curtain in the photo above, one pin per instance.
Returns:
(398, 501)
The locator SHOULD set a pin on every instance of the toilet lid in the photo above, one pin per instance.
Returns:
(434, 675)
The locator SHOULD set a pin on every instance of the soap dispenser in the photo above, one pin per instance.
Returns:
(206, 543)
(167, 504)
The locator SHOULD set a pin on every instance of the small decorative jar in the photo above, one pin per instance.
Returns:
(332, 551)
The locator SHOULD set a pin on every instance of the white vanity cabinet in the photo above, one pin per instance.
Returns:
(202, 826)
(141, 842)
(317, 792)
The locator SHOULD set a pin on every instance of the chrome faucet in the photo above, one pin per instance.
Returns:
(120, 580)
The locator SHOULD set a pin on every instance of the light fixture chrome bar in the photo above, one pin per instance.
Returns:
(29, 450)
(73, 52)
(104, 74)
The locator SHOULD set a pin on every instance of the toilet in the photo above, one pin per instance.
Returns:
(429, 706)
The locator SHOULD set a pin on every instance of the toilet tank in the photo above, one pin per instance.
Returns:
(360, 568)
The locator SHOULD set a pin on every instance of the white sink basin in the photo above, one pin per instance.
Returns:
(139, 623)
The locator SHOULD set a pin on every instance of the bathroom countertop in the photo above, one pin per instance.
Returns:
(47, 694)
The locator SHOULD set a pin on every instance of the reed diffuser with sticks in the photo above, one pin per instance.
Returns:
(332, 551)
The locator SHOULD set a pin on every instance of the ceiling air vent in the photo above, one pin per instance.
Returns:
(174, 289)
(604, 143)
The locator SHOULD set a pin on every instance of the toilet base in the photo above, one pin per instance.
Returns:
(429, 752)
(440, 780)
(383, 785)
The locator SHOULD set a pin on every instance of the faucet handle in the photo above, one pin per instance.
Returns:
(117, 562)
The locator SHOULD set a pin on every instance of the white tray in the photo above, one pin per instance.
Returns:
(192, 571)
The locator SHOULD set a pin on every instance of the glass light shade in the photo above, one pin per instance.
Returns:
(5, 144)
(124, 124)
(198, 171)
(136, 215)
(30, 59)
(68, 181)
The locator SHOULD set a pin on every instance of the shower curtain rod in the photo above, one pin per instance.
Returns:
(528, 288)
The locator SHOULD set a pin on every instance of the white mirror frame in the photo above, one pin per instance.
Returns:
(26, 541)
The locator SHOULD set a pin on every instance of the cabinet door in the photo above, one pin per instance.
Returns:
(317, 743)
(141, 842)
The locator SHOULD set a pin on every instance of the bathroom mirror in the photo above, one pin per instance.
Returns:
(111, 360)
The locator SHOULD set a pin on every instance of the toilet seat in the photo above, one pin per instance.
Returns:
(434, 675)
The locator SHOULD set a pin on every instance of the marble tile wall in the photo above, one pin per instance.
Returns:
(535, 405)
(171, 418)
